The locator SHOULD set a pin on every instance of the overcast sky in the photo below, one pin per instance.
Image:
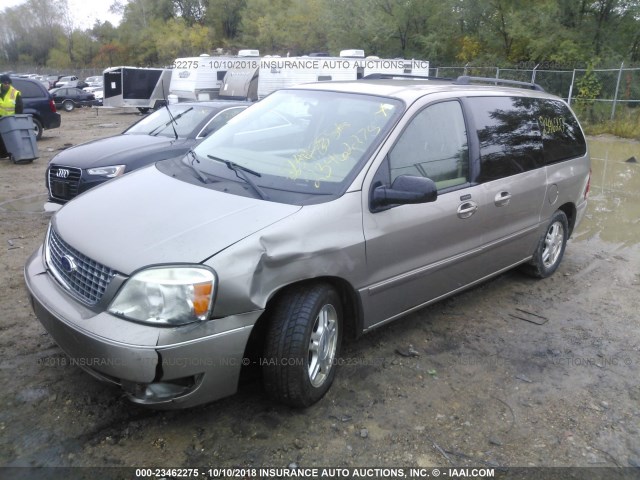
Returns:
(84, 12)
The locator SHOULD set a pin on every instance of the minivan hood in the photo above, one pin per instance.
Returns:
(148, 218)
(118, 150)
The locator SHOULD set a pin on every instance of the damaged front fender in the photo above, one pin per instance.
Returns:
(312, 243)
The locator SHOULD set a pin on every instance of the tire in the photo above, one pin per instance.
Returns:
(550, 250)
(302, 345)
(143, 109)
(38, 128)
(68, 105)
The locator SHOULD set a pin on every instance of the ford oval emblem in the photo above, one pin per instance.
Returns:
(68, 263)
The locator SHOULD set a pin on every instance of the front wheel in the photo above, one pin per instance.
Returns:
(548, 255)
(302, 344)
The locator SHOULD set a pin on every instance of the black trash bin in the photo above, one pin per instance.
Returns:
(19, 137)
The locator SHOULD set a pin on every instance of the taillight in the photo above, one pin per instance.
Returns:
(588, 187)
(52, 106)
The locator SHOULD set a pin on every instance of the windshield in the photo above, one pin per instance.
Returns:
(304, 141)
(187, 119)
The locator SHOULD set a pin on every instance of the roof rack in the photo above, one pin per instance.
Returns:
(389, 76)
(466, 80)
(461, 80)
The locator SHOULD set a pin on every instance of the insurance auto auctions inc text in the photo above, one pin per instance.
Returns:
(374, 472)
(333, 63)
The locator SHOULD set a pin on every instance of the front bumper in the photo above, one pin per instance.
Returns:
(164, 367)
(61, 191)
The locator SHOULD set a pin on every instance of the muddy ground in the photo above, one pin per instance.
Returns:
(516, 372)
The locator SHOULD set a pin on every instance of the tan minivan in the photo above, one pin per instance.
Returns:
(323, 210)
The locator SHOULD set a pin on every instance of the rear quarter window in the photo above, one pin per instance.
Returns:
(562, 137)
(517, 134)
(28, 89)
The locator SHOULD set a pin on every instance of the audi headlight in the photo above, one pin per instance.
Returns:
(167, 295)
(109, 171)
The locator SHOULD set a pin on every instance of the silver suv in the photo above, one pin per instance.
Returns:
(322, 211)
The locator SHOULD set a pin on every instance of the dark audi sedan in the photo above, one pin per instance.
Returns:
(166, 133)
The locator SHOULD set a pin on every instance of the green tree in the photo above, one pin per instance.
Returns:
(31, 29)
(225, 17)
(192, 11)
(175, 38)
(565, 33)
(265, 24)
(589, 88)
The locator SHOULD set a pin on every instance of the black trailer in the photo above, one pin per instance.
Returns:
(142, 88)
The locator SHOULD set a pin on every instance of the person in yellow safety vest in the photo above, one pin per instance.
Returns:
(10, 98)
(10, 104)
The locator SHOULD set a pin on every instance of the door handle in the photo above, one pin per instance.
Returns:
(466, 209)
(502, 198)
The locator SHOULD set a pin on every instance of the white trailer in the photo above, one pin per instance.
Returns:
(276, 73)
(142, 88)
(280, 72)
(200, 78)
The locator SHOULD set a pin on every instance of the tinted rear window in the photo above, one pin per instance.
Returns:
(518, 134)
(28, 89)
(509, 135)
(561, 134)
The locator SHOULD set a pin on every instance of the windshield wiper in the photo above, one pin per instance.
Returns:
(194, 158)
(173, 120)
(240, 173)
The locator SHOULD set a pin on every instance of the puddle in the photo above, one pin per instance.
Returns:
(29, 204)
(613, 212)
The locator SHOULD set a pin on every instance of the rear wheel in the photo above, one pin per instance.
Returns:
(302, 345)
(68, 105)
(37, 128)
(548, 255)
(143, 109)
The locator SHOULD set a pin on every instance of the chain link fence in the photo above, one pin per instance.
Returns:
(614, 93)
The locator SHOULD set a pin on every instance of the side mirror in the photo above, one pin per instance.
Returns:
(405, 189)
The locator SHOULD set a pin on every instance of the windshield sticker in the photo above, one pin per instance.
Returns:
(384, 109)
(551, 125)
(327, 150)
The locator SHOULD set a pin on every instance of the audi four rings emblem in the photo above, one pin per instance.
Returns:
(62, 173)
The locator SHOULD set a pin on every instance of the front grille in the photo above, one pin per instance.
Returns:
(64, 182)
(87, 280)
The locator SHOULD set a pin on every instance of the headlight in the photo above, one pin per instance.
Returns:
(167, 295)
(109, 172)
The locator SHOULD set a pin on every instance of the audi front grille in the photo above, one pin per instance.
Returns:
(63, 182)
